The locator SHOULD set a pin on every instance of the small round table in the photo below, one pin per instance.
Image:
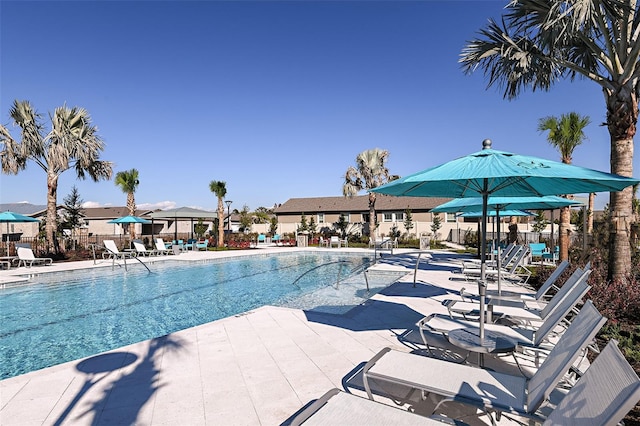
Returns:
(493, 342)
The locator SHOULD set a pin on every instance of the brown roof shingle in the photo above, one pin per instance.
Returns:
(358, 203)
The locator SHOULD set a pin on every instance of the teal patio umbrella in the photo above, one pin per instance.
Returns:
(491, 172)
(500, 204)
(130, 219)
(11, 217)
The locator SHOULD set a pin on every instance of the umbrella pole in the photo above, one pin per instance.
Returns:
(482, 284)
(498, 262)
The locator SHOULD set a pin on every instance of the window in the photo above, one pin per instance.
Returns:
(320, 217)
(450, 217)
(393, 217)
(347, 217)
(365, 217)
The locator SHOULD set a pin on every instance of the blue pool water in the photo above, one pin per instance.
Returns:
(65, 316)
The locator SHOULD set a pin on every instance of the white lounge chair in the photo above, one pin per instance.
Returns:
(340, 408)
(161, 247)
(141, 250)
(28, 259)
(487, 390)
(334, 241)
(519, 311)
(113, 252)
(524, 337)
(527, 297)
(608, 390)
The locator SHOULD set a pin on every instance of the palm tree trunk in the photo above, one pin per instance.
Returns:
(131, 206)
(564, 232)
(592, 201)
(220, 223)
(372, 215)
(622, 117)
(52, 214)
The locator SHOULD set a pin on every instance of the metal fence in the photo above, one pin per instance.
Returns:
(84, 242)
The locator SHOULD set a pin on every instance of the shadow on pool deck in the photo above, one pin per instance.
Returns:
(126, 404)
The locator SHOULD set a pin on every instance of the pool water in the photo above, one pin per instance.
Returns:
(65, 316)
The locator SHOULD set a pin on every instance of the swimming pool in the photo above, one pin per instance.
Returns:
(65, 316)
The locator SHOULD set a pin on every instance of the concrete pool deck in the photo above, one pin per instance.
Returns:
(256, 368)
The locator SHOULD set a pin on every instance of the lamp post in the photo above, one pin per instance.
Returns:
(228, 202)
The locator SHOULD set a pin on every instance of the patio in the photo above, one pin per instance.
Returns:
(259, 367)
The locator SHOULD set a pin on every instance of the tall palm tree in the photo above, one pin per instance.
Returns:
(128, 182)
(72, 143)
(370, 172)
(219, 188)
(565, 133)
(541, 42)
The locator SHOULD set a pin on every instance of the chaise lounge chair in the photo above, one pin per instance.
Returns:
(113, 252)
(28, 259)
(526, 338)
(141, 250)
(608, 390)
(519, 311)
(340, 408)
(531, 297)
(487, 390)
(161, 247)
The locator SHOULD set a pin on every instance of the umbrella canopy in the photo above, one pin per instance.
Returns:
(11, 217)
(130, 219)
(496, 173)
(492, 213)
(474, 204)
(15, 217)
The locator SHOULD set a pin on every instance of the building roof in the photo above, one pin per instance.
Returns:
(22, 208)
(110, 212)
(358, 203)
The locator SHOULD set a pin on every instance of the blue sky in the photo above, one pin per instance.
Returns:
(276, 98)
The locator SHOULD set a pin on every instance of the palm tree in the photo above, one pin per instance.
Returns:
(219, 188)
(541, 42)
(565, 133)
(72, 143)
(370, 172)
(128, 182)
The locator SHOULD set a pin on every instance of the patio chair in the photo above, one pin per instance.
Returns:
(141, 250)
(334, 241)
(28, 259)
(202, 245)
(506, 255)
(604, 395)
(514, 270)
(190, 244)
(534, 298)
(531, 337)
(551, 256)
(519, 311)
(537, 250)
(340, 408)
(487, 390)
(113, 252)
(161, 248)
(261, 238)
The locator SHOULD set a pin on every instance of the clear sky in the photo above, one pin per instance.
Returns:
(276, 98)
